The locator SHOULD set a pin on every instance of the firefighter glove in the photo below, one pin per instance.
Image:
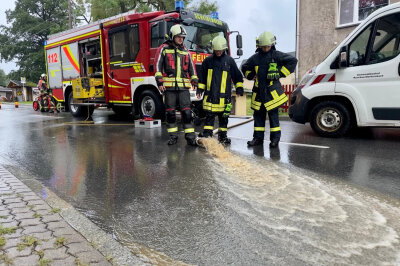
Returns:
(273, 72)
(227, 111)
(239, 91)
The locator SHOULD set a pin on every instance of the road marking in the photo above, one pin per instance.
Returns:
(289, 143)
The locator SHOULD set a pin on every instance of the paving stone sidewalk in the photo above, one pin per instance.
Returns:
(33, 233)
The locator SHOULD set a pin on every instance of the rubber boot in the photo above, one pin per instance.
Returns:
(172, 140)
(206, 134)
(223, 139)
(274, 144)
(255, 142)
(191, 139)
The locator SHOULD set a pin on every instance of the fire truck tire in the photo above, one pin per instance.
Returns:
(330, 119)
(150, 103)
(122, 110)
(79, 111)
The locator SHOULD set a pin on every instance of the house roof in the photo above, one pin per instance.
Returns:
(16, 84)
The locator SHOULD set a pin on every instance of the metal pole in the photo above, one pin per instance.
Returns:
(69, 14)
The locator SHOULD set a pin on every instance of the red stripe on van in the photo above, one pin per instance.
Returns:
(332, 78)
(318, 79)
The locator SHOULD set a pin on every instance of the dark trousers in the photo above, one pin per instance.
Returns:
(173, 99)
(259, 123)
(209, 124)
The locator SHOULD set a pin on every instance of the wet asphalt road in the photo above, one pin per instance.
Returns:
(181, 202)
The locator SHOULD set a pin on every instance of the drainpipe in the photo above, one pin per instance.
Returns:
(297, 38)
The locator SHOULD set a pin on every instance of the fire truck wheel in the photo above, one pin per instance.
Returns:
(79, 111)
(35, 105)
(150, 103)
(330, 119)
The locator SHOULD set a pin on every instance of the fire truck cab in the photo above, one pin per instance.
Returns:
(112, 61)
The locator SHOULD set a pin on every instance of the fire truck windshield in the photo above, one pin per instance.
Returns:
(199, 37)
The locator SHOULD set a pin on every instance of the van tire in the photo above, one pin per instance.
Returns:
(330, 119)
(150, 103)
(79, 111)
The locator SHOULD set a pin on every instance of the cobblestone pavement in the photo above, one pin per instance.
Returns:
(33, 233)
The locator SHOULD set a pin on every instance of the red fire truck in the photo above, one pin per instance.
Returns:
(112, 62)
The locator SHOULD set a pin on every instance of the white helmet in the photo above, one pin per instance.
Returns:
(177, 30)
(43, 75)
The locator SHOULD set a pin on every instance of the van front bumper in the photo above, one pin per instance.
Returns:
(298, 107)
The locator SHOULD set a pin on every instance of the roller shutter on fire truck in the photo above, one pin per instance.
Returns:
(54, 68)
(70, 61)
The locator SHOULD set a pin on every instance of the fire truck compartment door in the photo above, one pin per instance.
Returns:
(70, 61)
(54, 67)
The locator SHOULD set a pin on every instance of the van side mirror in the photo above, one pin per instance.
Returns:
(343, 57)
(239, 43)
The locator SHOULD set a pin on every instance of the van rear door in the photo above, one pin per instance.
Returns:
(372, 77)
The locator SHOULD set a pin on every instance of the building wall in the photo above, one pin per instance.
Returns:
(318, 33)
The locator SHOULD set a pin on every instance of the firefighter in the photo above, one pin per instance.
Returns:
(217, 73)
(175, 75)
(266, 67)
(45, 94)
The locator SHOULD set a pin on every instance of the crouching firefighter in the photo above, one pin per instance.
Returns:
(175, 75)
(266, 67)
(218, 72)
(46, 103)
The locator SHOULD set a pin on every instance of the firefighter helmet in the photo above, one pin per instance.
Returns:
(43, 75)
(266, 39)
(219, 43)
(177, 30)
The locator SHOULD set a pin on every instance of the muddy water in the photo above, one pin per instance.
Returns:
(317, 222)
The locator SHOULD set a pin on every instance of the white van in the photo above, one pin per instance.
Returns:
(358, 84)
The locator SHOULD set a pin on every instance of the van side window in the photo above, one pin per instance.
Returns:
(358, 47)
(386, 42)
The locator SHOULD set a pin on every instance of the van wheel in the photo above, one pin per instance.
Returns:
(330, 119)
(151, 104)
(79, 111)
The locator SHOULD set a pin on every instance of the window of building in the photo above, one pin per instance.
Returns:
(354, 11)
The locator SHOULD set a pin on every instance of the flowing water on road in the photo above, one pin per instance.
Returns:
(316, 221)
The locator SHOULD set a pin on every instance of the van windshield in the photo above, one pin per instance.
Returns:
(199, 37)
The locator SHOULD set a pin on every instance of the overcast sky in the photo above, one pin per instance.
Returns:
(250, 18)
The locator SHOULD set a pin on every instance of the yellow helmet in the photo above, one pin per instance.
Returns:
(219, 43)
(266, 39)
(177, 30)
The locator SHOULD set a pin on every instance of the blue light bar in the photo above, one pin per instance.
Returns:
(179, 5)
(215, 15)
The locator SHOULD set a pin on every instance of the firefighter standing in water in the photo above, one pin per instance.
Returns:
(266, 67)
(175, 75)
(218, 70)
(45, 95)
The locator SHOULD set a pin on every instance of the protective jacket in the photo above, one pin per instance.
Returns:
(174, 67)
(43, 86)
(268, 92)
(217, 74)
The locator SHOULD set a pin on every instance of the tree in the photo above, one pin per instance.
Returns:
(31, 23)
(3, 78)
